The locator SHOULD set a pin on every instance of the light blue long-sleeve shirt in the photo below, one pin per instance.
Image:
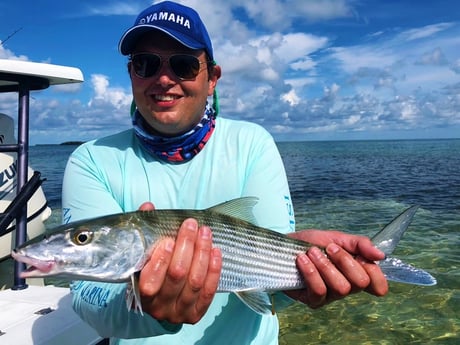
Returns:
(114, 174)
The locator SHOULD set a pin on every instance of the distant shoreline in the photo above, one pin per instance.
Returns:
(72, 143)
(69, 143)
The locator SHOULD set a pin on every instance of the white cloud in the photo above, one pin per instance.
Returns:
(103, 93)
(433, 57)
(426, 31)
(291, 97)
(291, 67)
(353, 58)
(279, 15)
(8, 54)
(299, 45)
(114, 8)
(455, 66)
(352, 120)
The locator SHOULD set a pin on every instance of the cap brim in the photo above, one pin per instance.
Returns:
(129, 40)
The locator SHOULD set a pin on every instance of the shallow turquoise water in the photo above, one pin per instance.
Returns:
(359, 187)
(408, 314)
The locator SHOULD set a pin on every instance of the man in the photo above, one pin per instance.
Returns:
(179, 154)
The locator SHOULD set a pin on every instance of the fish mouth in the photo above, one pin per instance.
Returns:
(36, 268)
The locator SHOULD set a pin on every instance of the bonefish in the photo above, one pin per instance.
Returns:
(256, 261)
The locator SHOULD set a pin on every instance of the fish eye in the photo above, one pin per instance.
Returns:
(82, 237)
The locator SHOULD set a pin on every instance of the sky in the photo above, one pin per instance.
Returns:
(304, 70)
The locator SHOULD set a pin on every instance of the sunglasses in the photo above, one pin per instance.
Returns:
(184, 66)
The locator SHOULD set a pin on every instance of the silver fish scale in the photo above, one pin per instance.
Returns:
(253, 257)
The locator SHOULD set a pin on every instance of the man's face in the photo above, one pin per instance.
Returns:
(171, 106)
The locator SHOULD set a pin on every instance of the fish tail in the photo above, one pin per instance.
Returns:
(398, 271)
(394, 269)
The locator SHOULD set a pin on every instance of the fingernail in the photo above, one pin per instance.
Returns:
(216, 257)
(316, 252)
(205, 233)
(332, 248)
(169, 245)
(304, 259)
(191, 225)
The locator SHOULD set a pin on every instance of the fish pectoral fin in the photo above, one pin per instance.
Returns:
(397, 271)
(133, 297)
(258, 301)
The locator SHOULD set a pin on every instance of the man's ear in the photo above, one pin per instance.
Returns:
(213, 78)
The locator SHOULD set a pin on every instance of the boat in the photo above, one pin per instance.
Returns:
(37, 207)
(30, 311)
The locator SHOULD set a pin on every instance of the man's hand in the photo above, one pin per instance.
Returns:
(179, 281)
(347, 267)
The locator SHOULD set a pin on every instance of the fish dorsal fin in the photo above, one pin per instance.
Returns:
(240, 208)
(259, 301)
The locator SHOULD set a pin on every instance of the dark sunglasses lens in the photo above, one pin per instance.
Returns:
(146, 65)
(185, 66)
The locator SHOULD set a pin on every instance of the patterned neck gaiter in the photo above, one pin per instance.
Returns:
(176, 149)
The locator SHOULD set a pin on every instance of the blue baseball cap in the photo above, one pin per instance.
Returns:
(178, 21)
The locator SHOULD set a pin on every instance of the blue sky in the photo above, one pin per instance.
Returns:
(305, 70)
